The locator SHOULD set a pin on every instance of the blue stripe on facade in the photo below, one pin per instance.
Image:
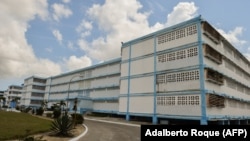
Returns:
(203, 120)
(128, 98)
(154, 114)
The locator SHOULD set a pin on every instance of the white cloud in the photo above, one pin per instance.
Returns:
(76, 63)
(58, 35)
(84, 29)
(233, 36)
(125, 22)
(17, 58)
(66, 1)
(60, 11)
(181, 12)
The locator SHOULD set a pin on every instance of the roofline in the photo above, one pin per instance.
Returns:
(89, 67)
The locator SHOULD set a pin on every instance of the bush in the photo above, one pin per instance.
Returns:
(62, 125)
(77, 118)
(49, 115)
(39, 111)
(56, 113)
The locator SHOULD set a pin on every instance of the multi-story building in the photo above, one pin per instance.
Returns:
(96, 88)
(187, 71)
(33, 91)
(13, 95)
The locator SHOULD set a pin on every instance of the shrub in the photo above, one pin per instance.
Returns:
(62, 125)
(49, 115)
(39, 111)
(56, 113)
(77, 118)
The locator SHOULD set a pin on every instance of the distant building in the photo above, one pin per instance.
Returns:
(33, 91)
(188, 71)
(13, 95)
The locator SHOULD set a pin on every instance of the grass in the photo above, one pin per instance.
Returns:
(19, 125)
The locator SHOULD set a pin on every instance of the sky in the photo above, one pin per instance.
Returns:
(50, 37)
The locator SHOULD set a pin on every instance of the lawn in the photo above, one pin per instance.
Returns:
(19, 125)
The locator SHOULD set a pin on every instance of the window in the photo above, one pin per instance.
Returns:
(161, 79)
(191, 30)
(192, 52)
(214, 76)
(188, 100)
(215, 101)
(166, 100)
(162, 58)
(212, 54)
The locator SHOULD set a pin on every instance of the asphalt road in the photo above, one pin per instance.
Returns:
(101, 131)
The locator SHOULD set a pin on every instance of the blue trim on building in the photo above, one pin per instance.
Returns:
(203, 120)
(128, 98)
(155, 120)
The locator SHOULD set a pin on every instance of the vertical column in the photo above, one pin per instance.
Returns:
(203, 120)
(154, 118)
(128, 96)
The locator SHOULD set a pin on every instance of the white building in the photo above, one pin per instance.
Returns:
(188, 71)
(33, 91)
(96, 88)
(13, 95)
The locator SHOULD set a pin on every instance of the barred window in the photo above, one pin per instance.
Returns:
(162, 58)
(181, 54)
(188, 100)
(171, 56)
(161, 78)
(192, 52)
(191, 30)
(180, 33)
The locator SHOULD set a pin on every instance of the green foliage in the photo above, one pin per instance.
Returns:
(39, 111)
(49, 115)
(77, 118)
(62, 125)
(56, 113)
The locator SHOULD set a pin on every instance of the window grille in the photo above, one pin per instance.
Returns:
(212, 54)
(161, 79)
(177, 34)
(216, 101)
(214, 77)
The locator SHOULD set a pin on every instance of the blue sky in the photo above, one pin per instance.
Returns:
(46, 38)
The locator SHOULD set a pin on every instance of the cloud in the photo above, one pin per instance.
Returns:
(17, 58)
(233, 36)
(123, 23)
(60, 11)
(66, 1)
(84, 29)
(181, 12)
(58, 35)
(76, 63)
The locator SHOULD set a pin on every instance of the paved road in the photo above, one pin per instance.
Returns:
(101, 131)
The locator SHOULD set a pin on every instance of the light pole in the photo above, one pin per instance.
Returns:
(80, 75)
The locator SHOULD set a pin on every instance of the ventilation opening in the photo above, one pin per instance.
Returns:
(214, 77)
(211, 32)
(212, 54)
(215, 101)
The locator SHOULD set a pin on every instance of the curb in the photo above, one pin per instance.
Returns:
(81, 135)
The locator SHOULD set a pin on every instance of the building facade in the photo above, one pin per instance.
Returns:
(96, 88)
(33, 91)
(188, 71)
(13, 95)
